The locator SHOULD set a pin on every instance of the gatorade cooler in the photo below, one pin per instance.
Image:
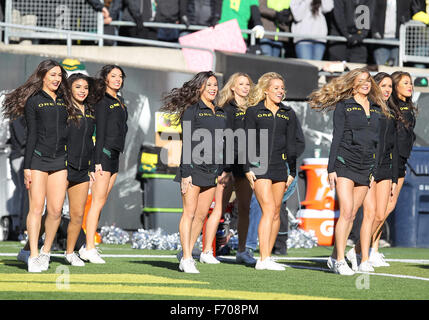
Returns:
(321, 209)
(322, 222)
(318, 195)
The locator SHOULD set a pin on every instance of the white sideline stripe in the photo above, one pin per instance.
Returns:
(420, 261)
(280, 258)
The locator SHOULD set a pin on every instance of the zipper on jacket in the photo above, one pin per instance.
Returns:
(83, 139)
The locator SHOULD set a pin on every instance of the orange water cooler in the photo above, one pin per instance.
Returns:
(321, 209)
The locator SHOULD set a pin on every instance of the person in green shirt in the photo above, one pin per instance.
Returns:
(244, 11)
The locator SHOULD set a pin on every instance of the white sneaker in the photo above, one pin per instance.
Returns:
(342, 268)
(331, 263)
(269, 264)
(245, 257)
(23, 256)
(207, 257)
(188, 266)
(376, 260)
(73, 259)
(365, 267)
(44, 259)
(34, 265)
(353, 258)
(92, 255)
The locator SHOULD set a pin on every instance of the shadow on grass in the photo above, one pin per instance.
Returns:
(422, 266)
(15, 263)
(159, 264)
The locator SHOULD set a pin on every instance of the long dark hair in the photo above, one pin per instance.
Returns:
(178, 99)
(315, 6)
(15, 101)
(395, 102)
(100, 81)
(90, 99)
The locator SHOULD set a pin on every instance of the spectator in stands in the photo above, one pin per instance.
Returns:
(390, 15)
(99, 6)
(137, 11)
(247, 14)
(203, 12)
(309, 19)
(277, 17)
(350, 22)
(171, 11)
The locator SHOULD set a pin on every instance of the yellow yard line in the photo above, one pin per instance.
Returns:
(150, 290)
(93, 278)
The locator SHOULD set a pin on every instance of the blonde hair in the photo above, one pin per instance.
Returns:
(342, 88)
(258, 94)
(226, 95)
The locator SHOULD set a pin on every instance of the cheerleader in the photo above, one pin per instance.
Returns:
(111, 129)
(269, 178)
(385, 181)
(405, 113)
(80, 168)
(233, 98)
(45, 101)
(194, 106)
(357, 102)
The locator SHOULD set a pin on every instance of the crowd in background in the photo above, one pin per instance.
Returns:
(379, 19)
(355, 20)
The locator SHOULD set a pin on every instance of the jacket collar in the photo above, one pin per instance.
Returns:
(353, 101)
(202, 105)
(261, 106)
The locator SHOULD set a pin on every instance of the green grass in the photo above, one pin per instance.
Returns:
(158, 278)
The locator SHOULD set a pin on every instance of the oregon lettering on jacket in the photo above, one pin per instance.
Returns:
(80, 147)
(46, 121)
(111, 125)
(355, 136)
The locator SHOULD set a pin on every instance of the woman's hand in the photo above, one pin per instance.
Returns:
(27, 178)
(392, 189)
(251, 177)
(185, 184)
(332, 178)
(289, 182)
(92, 176)
(99, 169)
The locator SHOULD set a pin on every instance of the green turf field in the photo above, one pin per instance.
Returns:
(150, 274)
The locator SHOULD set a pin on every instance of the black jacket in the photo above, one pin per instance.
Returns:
(203, 12)
(406, 135)
(18, 137)
(345, 18)
(388, 145)
(170, 11)
(355, 137)
(132, 10)
(80, 146)
(46, 122)
(199, 116)
(403, 15)
(111, 125)
(281, 135)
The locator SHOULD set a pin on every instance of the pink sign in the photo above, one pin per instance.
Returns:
(223, 37)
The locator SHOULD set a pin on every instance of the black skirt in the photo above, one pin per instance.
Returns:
(110, 161)
(48, 164)
(238, 171)
(201, 177)
(361, 177)
(383, 172)
(77, 176)
(275, 173)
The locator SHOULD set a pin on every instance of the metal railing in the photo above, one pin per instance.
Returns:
(73, 15)
(415, 42)
(69, 35)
